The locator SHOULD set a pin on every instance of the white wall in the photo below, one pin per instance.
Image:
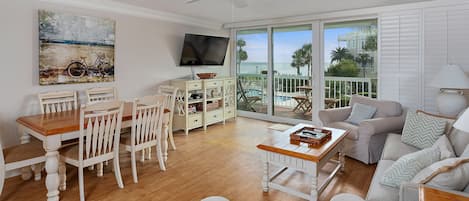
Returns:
(147, 52)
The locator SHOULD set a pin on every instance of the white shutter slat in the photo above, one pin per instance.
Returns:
(400, 57)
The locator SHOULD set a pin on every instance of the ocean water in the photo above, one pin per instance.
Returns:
(281, 68)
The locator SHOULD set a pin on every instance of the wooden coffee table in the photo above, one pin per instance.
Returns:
(278, 151)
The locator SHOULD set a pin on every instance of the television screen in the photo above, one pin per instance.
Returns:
(203, 50)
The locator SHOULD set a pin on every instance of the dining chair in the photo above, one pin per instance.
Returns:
(100, 125)
(101, 94)
(21, 156)
(60, 101)
(146, 130)
(171, 92)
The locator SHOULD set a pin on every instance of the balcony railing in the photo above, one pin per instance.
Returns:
(337, 89)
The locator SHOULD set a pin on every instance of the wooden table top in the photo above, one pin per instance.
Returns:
(63, 122)
(427, 193)
(279, 142)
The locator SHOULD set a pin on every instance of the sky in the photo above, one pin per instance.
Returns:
(285, 44)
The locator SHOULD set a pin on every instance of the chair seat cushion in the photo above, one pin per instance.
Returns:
(353, 135)
(23, 152)
(70, 152)
(379, 192)
(394, 148)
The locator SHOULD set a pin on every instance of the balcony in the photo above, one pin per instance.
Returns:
(287, 88)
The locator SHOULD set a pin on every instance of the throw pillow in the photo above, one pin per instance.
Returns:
(422, 130)
(406, 167)
(360, 112)
(450, 174)
(445, 147)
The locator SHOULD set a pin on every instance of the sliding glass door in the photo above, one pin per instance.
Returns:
(292, 73)
(350, 61)
(252, 69)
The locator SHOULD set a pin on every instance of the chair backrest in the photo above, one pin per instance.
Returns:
(384, 108)
(100, 125)
(101, 94)
(147, 119)
(51, 102)
(171, 93)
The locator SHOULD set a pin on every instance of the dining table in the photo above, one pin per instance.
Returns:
(54, 128)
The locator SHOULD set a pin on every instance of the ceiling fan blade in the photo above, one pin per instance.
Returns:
(240, 3)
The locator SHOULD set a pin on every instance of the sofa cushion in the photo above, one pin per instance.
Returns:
(379, 192)
(353, 135)
(455, 179)
(422, 130)
(360, 113)
(383, 108)
(394, 148)
(460, 140)
(406, 167)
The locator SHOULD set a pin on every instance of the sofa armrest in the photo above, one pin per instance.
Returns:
(334, 115)
(381, 125)
(409, 192)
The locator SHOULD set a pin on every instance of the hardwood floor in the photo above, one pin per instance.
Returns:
(222, 161)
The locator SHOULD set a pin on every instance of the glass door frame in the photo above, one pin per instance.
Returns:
(316, 45)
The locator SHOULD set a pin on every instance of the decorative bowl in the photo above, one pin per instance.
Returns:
(206, 75)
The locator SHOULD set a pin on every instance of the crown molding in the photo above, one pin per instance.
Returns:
(121, 8)
(343, 14)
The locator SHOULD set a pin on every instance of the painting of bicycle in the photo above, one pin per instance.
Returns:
(75, 49)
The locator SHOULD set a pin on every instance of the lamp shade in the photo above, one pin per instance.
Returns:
(450, 77)
(463, 122)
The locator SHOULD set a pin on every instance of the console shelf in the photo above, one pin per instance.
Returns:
(208, 102)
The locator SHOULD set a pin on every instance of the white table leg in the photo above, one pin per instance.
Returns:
(265, 178)
(51, 146)
(314, 187)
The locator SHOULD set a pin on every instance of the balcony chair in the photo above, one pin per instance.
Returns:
(248, 101)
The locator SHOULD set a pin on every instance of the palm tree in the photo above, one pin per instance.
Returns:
(340, 54)
(298, 60)
(241, 55)
(363, 60)
(307, 51)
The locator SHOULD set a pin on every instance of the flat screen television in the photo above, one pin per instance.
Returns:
(201, 50)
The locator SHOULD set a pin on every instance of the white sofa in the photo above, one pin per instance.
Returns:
(392, 151)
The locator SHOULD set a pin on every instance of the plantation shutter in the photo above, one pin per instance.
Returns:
(446, 41)
(400, 57)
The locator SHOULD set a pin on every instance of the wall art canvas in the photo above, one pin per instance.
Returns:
(75, 49)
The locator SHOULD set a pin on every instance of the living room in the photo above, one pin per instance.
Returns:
(246, 100)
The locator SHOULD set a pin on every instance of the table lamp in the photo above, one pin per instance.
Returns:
(451, 79)
(463, 122)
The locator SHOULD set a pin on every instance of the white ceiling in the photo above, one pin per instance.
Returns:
(223, 11)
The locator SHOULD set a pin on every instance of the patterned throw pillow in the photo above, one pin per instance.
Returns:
(422, 130)
(406, 167)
